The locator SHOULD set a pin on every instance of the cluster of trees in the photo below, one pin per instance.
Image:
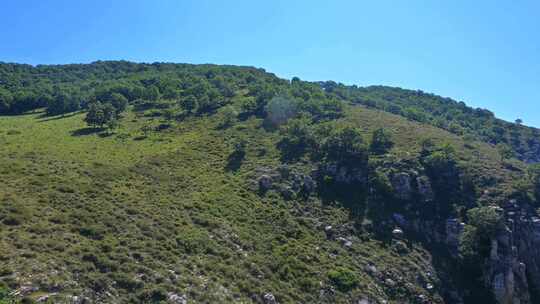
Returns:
(102, 114)
(535, 173)
(200, 87)
(332, 141)
(444, 113)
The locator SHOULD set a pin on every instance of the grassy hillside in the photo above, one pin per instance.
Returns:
(169, 205)
(163, 214)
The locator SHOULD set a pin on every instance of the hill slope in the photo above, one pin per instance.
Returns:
(262, 190)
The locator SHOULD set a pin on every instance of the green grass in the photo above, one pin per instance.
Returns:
(82, 214)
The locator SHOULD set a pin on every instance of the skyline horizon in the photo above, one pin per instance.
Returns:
(477, 52)
(468, 103)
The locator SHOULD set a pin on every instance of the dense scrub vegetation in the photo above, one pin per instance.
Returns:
(445, 113)
(134, 182)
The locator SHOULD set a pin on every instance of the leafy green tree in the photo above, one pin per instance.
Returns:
(119, 102)
(189, 104)
(330, 109)
(505, 151)
(298, 137)
(442, 168)
(230, 116)
(146, 129)
(6, 99)
(95, 116)
(109, 112)
(381, 142)
(346, 145)
(280, 109)
(483, 224)
(151, 93)
(112, 124)
(263, 93)
(248, 104)
(534, 173)
(169, 114)
(63, 103)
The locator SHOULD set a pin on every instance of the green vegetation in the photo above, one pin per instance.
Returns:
(381, 142)
(345, 279)
(444, 113)
(170, 202)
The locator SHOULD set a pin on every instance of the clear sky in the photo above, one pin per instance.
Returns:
(486, 53)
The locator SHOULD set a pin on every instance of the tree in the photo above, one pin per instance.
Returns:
(6, 99)
(483, 224)
(63, 103)
(119, 102)
(112, 124)
(230, 116)
(519, 121)
(280, 109)
(100, 114)
(189, 104)
(169, 114)
(95, 115)
(58, 105)
(109, 112)
(505, 151)
(346, 145)
(151, 93)
(381, 142)
(298, 137)
(534, 173)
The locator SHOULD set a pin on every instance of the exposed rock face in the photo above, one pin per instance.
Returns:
(533, 153)
(424, 188)
(512, 269)
(454, 228)
(514, 262)
(285, 181)
(343, 174)
(401, 183)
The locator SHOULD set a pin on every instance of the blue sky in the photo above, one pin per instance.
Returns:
(486, 53)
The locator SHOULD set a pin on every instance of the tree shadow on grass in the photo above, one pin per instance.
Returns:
(86, 131)
(234, 161)
(44, 117)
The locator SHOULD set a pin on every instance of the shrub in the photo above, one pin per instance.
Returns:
(484, 222)
(230, 116)
(344, 279)
(298, 137)
(381, 142)
(346, 145)
(279, 110)
(534, 173)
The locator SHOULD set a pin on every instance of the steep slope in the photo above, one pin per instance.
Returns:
(444, 113)
(105, 217)
(231, 185)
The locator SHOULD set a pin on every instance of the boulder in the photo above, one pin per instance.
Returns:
(269, 298)
(174, 298)
(397, 233)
